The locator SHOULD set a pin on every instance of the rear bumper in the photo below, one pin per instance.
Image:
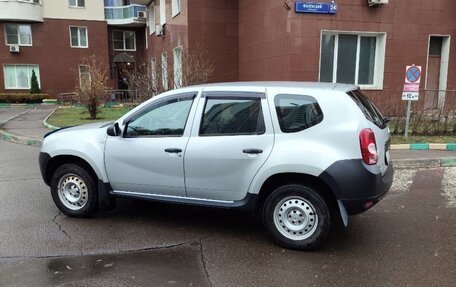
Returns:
(356, 185)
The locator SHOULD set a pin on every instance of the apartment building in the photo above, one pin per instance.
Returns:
(364, 42)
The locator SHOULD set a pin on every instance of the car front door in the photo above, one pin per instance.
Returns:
(148, 158)
(232, 140)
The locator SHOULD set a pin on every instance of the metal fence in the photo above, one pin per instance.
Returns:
(111, 97)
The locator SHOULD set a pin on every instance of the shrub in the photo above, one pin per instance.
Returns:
(35, 88)
(17, 98)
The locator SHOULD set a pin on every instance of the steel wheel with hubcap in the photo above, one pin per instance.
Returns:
(73, 191)
(297, 217)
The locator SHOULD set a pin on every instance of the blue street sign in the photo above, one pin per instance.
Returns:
(312, 7)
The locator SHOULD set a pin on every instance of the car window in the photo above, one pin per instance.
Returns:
(232, 116)
(297, 112)
(166, 118)
(369, 110)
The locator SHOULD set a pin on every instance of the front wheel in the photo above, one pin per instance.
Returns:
(73, 191)
(297, 217)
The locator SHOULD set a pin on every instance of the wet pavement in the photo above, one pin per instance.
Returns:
(408, 239)
(28, 121)
(174, 266)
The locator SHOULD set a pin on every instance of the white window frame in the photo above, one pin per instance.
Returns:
(124, 42)
(162, 12)
(164, 70)
(77, 4)
(177, 66)
(380, 55)
(29, 66)
(175, 7)
(18, 35)
(79, 37)
(80, 74)
(152, 18)
(153, 67)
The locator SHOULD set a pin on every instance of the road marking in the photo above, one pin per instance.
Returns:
(449, 186)
(403, 180)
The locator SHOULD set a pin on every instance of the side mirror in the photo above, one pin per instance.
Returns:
(386, 120)
(113, 130)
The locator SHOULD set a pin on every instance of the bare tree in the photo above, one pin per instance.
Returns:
(150, 79)
(196, 67)
(92, 87)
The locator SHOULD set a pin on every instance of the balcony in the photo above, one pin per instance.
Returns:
(21, 10)
(129, 16)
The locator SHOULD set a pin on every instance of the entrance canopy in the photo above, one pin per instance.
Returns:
(124, 58)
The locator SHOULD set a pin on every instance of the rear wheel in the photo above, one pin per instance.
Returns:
(297, 217)
(73, 191)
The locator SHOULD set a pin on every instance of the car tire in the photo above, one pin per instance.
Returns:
(73, 191)
(297, 217)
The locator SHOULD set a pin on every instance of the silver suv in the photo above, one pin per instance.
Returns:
(298, 154)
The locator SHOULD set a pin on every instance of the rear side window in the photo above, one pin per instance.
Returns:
(235, 116)
(297, 112)
(369, 110)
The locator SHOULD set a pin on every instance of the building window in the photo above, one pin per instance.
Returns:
(18, 34)
(124, 40)
(162, 12)
(19, 76)
(164, 68)
(353, 58)
(77, 3)
(176, 7)
(79, 37)
(32, 1)
(177, 62)
(84, 75)
(152, 18)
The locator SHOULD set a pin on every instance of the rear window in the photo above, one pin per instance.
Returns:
(297, 112)
(369, 110)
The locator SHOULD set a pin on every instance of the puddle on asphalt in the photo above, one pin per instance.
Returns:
(176, 266)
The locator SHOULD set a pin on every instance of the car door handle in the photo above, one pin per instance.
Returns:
(173, 150)
(252, 151)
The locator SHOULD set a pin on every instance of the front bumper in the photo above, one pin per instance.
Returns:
(43, 160)
(356, 185)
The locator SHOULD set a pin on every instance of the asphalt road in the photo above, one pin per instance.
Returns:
(408, 239)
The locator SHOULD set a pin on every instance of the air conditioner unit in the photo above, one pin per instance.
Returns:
(377, 2)
(14, 48)
(141, 14)
(160, 30)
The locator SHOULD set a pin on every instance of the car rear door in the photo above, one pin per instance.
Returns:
(232, 139)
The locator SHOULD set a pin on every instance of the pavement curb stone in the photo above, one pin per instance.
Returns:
(424, 146)
(48, 125)
(19, 139)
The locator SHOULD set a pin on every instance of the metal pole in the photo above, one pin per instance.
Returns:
(407, 120)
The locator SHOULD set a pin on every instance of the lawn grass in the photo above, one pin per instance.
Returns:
(395, 139)
(64, 117)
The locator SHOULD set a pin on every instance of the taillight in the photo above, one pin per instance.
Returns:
(368, 146)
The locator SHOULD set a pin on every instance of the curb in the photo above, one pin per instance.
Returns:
(425, 163)
(425, 146)
(47, 125)
(19, 139)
